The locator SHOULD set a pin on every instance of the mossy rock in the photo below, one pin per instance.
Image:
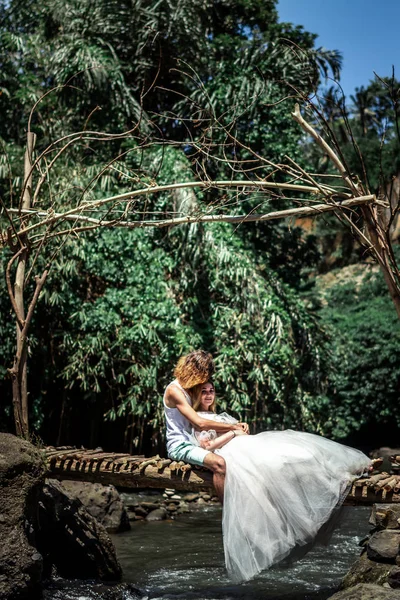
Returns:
(365, 570)
(22, 472)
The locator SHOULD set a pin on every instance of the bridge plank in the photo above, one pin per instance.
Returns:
(125, 470)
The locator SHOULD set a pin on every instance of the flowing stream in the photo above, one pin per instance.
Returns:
(183, 559)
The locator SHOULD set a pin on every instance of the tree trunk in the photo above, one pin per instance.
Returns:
(373, 225)
(19, 372)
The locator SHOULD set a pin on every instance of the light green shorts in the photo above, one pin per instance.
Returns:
(190, 453)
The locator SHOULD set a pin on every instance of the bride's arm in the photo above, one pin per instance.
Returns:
(222, 440)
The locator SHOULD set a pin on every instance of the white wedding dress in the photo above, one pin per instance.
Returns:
(282, 493)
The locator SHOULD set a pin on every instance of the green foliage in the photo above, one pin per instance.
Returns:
(364, 385)
(120, 306)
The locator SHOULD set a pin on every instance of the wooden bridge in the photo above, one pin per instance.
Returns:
(125, 470)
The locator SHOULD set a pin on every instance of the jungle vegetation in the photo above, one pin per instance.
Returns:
(120, 306)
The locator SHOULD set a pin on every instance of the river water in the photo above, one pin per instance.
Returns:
(183, 559)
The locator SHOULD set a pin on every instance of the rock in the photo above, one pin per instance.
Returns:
(157, 515)
(201, 501)
(206, 497)
(366, 591)
(394, 577)
(385, 516)
(175, 497)
(102, 502)
(140, 511)
(150, 505)
(172, 507)
(191, 497)
(72, 540)
(22, 471)
(365, 570)
(384, 545)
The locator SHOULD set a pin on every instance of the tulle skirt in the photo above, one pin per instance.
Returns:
(282, 491)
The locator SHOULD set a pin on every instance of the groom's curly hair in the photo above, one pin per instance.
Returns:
(194, 368)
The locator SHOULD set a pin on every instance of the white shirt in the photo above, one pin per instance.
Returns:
(179, 429)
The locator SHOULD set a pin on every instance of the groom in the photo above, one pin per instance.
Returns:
(192, 370)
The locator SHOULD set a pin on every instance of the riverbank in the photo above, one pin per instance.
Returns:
(172, 549)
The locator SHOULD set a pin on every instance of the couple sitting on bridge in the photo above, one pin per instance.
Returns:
(280, 489)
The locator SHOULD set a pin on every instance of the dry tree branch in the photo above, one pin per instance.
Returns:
(326, 148)
(152, 189)
(210, 218)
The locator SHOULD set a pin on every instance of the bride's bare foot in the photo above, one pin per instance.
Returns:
(375, 463)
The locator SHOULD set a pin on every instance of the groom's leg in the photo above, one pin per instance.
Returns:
(216, 464)
(198, 456)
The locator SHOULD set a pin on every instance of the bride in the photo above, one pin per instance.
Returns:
(283, 489)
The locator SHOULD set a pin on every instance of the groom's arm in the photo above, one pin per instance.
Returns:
(176, 399)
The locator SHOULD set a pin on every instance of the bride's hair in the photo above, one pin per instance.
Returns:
(195, 394)
(194, 369)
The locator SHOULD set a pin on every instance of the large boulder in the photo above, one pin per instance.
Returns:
(365, 591)
(41, 527)
(22, 471)
(383, 546)
(102, 502)
(72, 540)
